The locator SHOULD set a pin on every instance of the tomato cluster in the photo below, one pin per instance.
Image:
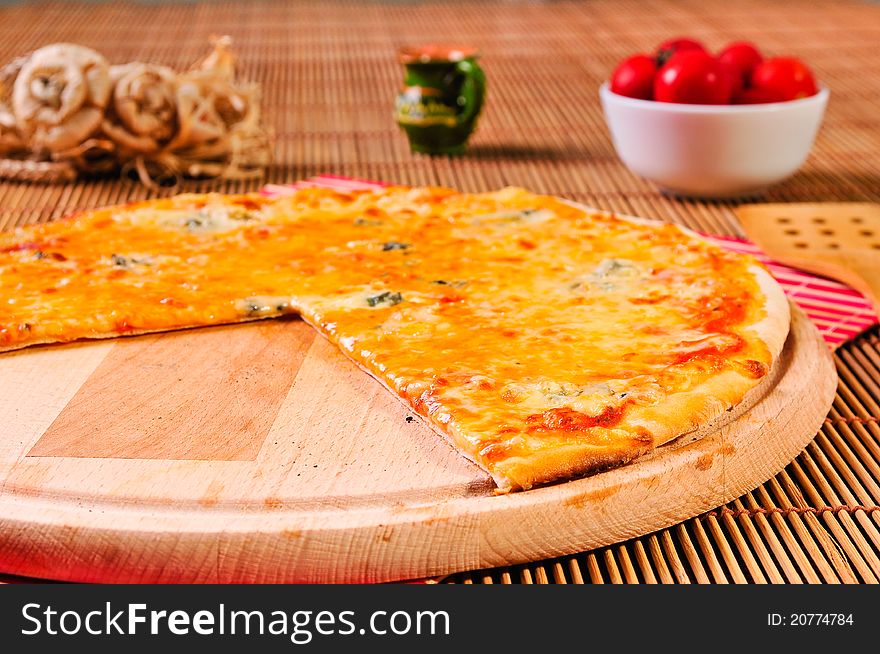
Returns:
(682, 70)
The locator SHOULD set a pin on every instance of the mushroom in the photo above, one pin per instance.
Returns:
(142, 115)
(59, 96)
(220, 132)
(65, 105)
(10, 138)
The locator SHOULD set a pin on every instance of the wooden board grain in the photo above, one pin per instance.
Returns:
(147, 399)
(297, 466)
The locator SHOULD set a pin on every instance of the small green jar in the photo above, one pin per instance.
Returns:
(441, 99)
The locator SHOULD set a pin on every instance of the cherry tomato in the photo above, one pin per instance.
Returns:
(752, 96)
(634, 77)
(783, 79)
(736, 82)
(741, 57)
(668, 48)
(693, 77)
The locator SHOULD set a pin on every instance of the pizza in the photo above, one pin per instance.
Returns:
(543, 339)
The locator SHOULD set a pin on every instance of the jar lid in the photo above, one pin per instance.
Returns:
(426, 54)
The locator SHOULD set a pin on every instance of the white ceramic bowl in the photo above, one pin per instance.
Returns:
(713, 150)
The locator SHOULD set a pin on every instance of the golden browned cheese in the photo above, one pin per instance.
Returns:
(513, 322)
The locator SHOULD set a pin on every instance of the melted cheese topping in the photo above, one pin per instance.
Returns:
(513, 322)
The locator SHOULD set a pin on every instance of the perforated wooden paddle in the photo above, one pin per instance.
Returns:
(837, 240)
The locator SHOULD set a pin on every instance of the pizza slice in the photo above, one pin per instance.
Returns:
(543, 339)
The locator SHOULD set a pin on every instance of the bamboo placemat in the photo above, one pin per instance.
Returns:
(329, 77)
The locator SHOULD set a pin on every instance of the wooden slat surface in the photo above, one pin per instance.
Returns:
(329, 77)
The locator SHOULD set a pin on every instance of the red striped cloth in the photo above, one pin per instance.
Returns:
(839, 311)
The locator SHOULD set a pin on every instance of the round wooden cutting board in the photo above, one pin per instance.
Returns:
(258, 453)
